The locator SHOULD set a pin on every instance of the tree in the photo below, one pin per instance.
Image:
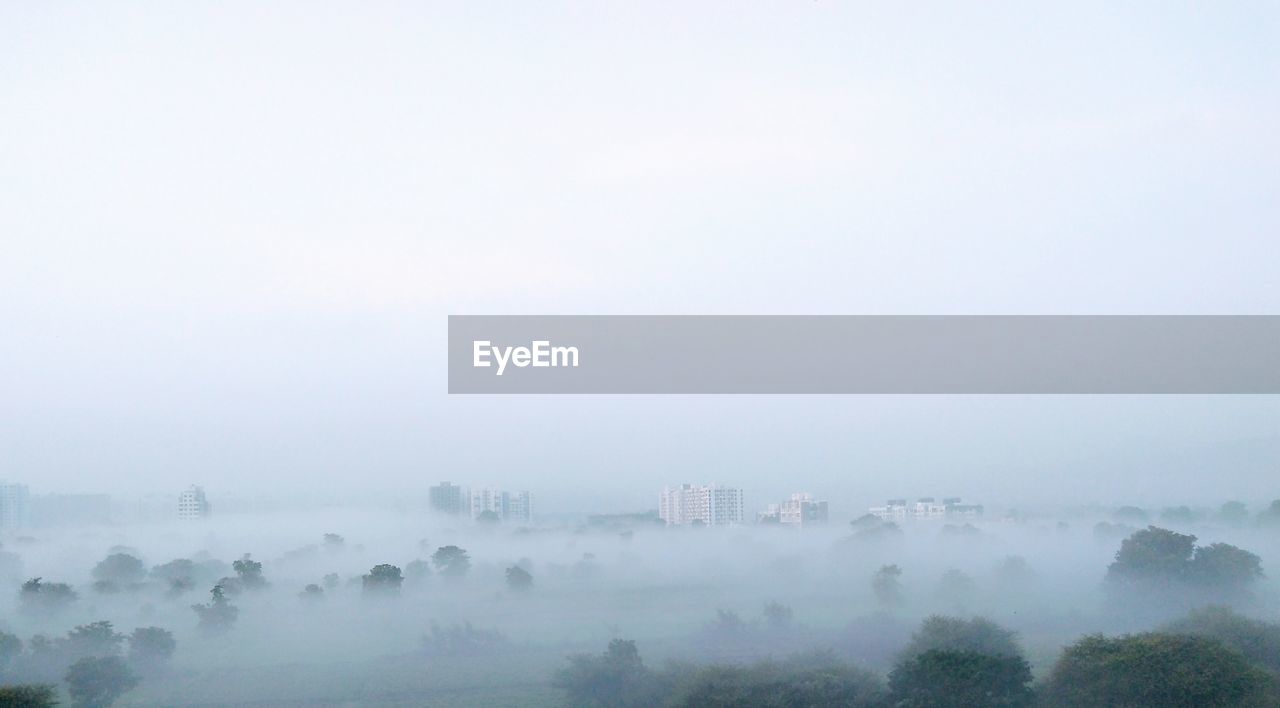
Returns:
(1015, 570)
(96, 682)
(884, 531)
(866, 521)
(1152, 554)
(451, 561)
(38, 597)
(1271, 515)
(151, 647)
(958, 679)
(249, 573)
(1157, 558)
(488, 517)
(1233, 512)
(120, 569)
(417, 570)
(957, 588)
(1178, 515)
(176, 569)
(727, 626)
(384, 579)
(1155, 669)
(93, 639)
(218, 614)
(10, 649)
(461, 640)
(519, 579)
(615, 679)
(312, 593)
(1131, 514)
(887, 586)
(334, 542)
(1225, 566)
(777, 615)
(1258, 641)
(179, 574)
(978, 635)
(32, 696)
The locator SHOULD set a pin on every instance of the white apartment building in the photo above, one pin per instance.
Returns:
(14, 506)
(192, 504)
(799, 511)
(712, 505)
(508, 506)
(925, 508)
(802, 510)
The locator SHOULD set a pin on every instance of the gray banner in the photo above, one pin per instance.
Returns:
(864, 354)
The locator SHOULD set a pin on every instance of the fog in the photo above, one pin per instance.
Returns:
(687, 594)
(231, 233)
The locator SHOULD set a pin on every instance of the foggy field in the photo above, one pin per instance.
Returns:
(693, 596)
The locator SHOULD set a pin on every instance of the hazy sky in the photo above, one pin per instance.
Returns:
(230, 234)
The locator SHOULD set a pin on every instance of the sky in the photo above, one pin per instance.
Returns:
(230, 234)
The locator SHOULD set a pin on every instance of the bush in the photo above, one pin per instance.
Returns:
(813, 680)
(617, 678)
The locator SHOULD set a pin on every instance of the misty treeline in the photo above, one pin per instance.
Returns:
(1014, 612)
(1213, 657)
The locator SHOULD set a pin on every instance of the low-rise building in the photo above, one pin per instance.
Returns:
(799, 511)
(925, 508)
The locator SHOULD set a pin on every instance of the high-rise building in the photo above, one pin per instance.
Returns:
(446, 498)
(192, 504)
(506, 506)
(14, 509)
(710, 505)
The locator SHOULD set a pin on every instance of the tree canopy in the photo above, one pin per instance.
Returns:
(1155, 669)
(940, 678)
(96, 682)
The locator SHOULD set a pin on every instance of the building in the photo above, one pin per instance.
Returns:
(507, 506)
(192, 504)
(520, 507)
(14, 506)
(710, 505)
(803, 510)
(893, 510)
(928, 508)
(799, 511)
(447, 498)
(925, 508)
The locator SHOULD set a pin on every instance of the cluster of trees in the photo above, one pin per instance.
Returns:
(461, 639)
(1211, 658)
(1232, 513)
(1160, 560)
(97, 663)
